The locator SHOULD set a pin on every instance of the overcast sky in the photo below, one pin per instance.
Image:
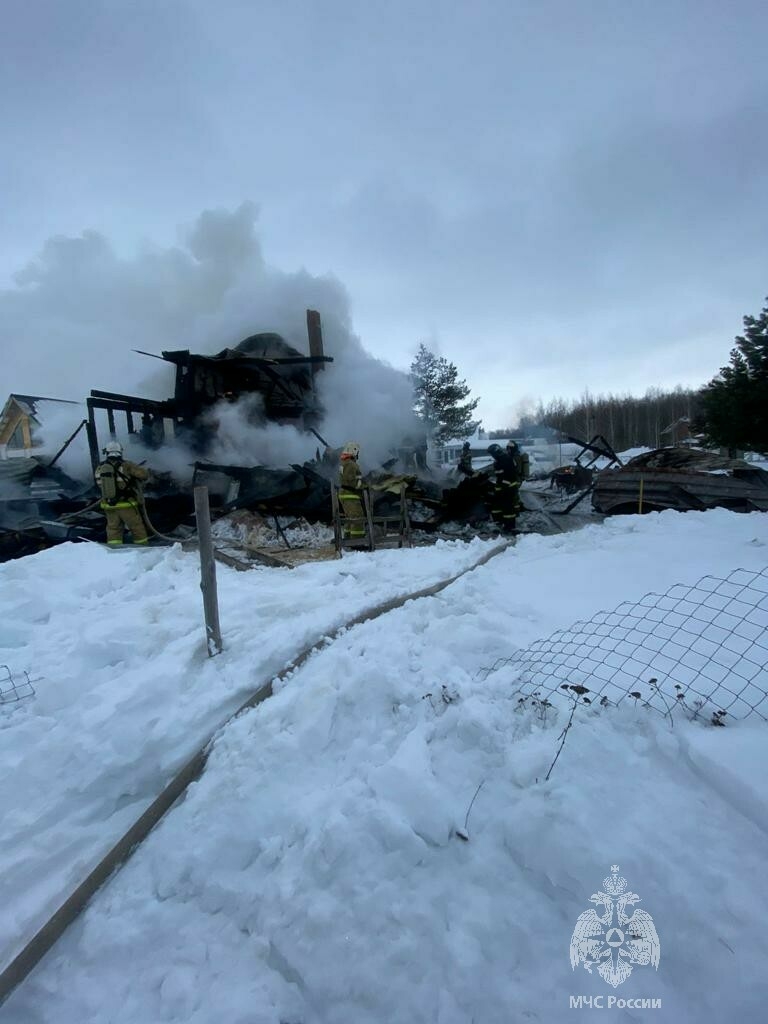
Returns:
(555, 193)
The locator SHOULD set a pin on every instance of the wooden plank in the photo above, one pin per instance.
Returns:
(367, 506)
(406, 517)
(207, 572)
(337, 537)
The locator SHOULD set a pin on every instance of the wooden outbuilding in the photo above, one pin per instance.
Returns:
(20, 421)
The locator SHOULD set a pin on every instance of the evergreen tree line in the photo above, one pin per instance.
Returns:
(731, 411)
(626, 421)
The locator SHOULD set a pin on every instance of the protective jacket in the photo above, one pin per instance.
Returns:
(120, 483)
(511, 467)
(349, 498)
(505, 500)
(351, 477)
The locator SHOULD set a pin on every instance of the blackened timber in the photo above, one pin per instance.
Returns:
(132, 403)
(184, 358)
(66, 444)
(601, 448)
(128, 404)
(315, 335)
(93, 440)
(141, 352)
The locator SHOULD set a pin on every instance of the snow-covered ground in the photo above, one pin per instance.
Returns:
(126, 692)
(314, 874)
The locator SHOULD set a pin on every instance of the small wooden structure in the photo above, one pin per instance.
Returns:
(681, 479)
(22, 415)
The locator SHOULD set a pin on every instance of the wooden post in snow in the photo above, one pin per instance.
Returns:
(207, 572)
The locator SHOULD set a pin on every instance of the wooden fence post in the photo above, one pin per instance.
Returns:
(207, 572)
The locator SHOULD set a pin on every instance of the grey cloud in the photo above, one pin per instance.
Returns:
(519, 174)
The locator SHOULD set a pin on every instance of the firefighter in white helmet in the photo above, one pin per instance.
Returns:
(350, 491)
(120, 483)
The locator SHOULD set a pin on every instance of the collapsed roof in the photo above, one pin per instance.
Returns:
(263, 365)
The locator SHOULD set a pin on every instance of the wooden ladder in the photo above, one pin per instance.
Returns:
(379, 530)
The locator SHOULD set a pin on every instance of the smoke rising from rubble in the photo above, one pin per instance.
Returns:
(79, 309)
(58, 422)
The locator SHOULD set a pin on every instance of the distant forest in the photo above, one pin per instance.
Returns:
(626, 421)
(731, 411)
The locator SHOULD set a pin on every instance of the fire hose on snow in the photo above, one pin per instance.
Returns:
(50, 932)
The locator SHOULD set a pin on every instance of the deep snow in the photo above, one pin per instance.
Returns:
(313, 873)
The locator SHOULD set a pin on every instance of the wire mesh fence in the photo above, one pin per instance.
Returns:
(702, 647)
(14, 688)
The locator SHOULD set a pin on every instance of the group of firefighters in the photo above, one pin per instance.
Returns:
(511, 467)
(121, 483)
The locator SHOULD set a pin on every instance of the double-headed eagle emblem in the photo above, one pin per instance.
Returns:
(613, 941)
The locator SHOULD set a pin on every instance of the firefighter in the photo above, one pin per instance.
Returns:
(120, 483)
(351, 483)
(522, 460)
(509, 468)
(465, 461)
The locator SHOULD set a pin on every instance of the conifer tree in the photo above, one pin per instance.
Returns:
(735, 402)
(440, 397)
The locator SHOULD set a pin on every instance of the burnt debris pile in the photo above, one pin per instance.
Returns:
(274, 393)
(684, 479)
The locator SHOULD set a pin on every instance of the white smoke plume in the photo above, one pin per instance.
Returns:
(57, 423)
(79, 309)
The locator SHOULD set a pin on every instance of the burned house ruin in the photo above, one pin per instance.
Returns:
(279, 377)
(273, 382)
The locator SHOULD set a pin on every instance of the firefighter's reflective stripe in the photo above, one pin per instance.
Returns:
(354, 517)
(118, 504)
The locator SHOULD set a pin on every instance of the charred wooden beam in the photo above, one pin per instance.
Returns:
(598, 445)
(132, 403)
(93, 439)
(315, 334)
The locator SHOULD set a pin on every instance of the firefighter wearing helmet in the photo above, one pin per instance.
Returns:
(351, 483)
(120, 483)
(510, 467)
(465, 460)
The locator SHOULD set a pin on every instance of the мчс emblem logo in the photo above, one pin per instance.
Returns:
(612, 941)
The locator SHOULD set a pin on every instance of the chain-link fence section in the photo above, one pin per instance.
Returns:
(14, 688)
(702, 647)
